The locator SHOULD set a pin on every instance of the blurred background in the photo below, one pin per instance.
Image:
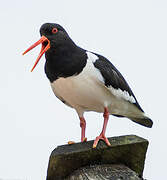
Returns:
(131, 33)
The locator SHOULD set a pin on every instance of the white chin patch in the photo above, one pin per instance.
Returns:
(122, 94)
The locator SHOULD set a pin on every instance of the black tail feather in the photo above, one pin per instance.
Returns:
(144, 121)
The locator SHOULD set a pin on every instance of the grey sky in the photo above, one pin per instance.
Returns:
(131, 33)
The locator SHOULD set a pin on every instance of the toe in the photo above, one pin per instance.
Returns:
(71, 142)
(96, 142)
(102, 137)
(84, 139)
(106, 141)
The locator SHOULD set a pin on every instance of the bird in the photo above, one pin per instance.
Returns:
(86, 81)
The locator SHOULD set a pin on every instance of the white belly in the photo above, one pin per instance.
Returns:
(82, 93)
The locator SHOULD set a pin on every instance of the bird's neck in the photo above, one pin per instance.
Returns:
(64, 61)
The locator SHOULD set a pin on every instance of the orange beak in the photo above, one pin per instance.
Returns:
(43, 49)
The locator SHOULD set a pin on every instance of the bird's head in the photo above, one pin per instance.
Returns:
(52, 37)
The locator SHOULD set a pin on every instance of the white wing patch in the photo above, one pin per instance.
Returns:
(90, 68)
(122, 94)
(116, 92)
(91, 56)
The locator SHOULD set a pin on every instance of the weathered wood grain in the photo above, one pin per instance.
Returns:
(104, 172)
(128, 150)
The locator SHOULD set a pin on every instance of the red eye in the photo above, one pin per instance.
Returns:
(54, 30)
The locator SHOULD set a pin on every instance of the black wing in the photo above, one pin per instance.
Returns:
(112, 77)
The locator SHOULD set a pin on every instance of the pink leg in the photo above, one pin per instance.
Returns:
(102, 134)
(83, 127)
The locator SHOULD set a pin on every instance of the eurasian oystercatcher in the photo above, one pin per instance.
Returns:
(86, 81)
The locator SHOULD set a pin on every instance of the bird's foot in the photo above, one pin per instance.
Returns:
(71, 142)
(84, 139)
(102, 137)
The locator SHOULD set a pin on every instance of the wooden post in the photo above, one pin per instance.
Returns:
(124, 160)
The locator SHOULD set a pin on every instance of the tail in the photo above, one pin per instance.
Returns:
(144, 121)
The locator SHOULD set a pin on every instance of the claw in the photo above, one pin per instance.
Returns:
(101, 137)
(84, 139)
(71, 142)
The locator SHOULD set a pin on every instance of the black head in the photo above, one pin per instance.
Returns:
(63, 57)
(53, 39)
(55, 33)
(50, 29)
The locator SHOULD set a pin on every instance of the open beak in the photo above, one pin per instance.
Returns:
(45, 46)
